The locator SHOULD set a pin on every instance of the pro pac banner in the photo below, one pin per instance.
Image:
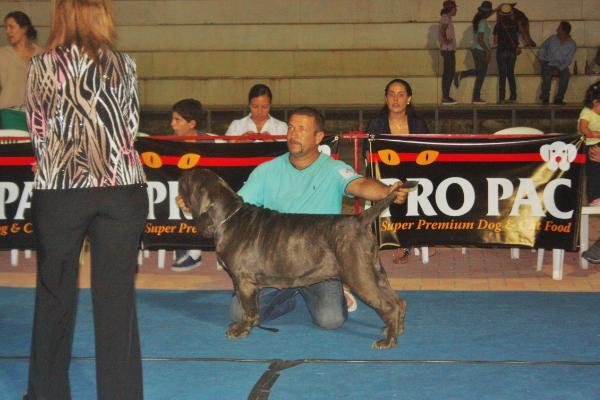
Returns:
(16, 230)
(483, 190)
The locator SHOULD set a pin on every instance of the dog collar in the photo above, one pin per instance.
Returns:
(230, 215)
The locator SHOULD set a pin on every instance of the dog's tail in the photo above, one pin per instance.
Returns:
(369, 215)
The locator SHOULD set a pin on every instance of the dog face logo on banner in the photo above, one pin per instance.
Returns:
(558, 155)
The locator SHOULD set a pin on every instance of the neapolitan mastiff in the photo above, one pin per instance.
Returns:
(260, 248)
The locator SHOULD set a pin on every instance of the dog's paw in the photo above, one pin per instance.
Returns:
(384, 344)
(237, 331)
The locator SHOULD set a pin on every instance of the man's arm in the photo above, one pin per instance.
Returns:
(371, 189)
(566, 61)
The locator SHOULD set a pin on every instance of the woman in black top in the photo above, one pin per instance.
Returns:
(506, 37)
(397, 117)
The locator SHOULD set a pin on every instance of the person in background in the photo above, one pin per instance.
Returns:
(447, 39)
(259, 121)
(398, 117)
(89, 182)
(589, 126)
(185, 121)
(506, 38)
(480, 50)
(555, 55)
(14, 60)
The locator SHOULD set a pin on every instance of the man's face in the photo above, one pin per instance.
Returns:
(181, 127)
(301, 136)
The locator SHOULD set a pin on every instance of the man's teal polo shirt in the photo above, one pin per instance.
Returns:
(317, 189)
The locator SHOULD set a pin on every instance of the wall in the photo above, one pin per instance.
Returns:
(327, 52)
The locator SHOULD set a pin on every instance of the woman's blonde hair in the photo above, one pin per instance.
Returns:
(88, 24)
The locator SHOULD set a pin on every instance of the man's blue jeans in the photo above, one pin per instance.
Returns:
(325, 302)
(563, 82)
(506, 70)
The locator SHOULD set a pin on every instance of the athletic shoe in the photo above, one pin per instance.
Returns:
(350, 300)
(186, 264)
(593, 253)
(457, 78)
(449, 101)
(479, 101)
(595, 202)
(559, 102)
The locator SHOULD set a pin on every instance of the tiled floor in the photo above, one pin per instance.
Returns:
(448, 269)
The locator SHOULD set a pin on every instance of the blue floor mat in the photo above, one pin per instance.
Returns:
(464, 326)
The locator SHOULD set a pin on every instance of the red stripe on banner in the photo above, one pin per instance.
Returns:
(17, 161)
(225, 161)
(456, 157)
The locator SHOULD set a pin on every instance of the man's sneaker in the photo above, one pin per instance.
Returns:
(593, 253)
(559, 102)
(479, 101)
(350, 300)
(595, 202)
(449, 101)
(186, 264)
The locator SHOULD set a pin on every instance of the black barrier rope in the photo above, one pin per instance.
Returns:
(341, 361)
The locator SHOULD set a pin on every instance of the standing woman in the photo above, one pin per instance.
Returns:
(83, 114)
(14, 60)
(480, 50)
(398, 117)
(259, 121)
(447, 39)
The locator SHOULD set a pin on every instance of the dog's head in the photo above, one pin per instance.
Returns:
(558, 155)
(209, 198)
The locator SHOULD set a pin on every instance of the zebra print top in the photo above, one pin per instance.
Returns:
(83, 118)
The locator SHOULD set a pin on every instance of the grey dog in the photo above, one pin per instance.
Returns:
(260, 248)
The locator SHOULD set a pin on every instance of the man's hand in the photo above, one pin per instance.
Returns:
(181, 204)
(401, 193)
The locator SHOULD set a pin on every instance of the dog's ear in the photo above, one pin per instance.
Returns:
(571, 153)
(545, 152)
(205, 225)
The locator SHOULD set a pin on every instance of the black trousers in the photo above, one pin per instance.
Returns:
(449, 58)
(113, 219)
(506, 60)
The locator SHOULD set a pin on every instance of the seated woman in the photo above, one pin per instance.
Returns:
(397, 117)
(14, 61)
(259, 121)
